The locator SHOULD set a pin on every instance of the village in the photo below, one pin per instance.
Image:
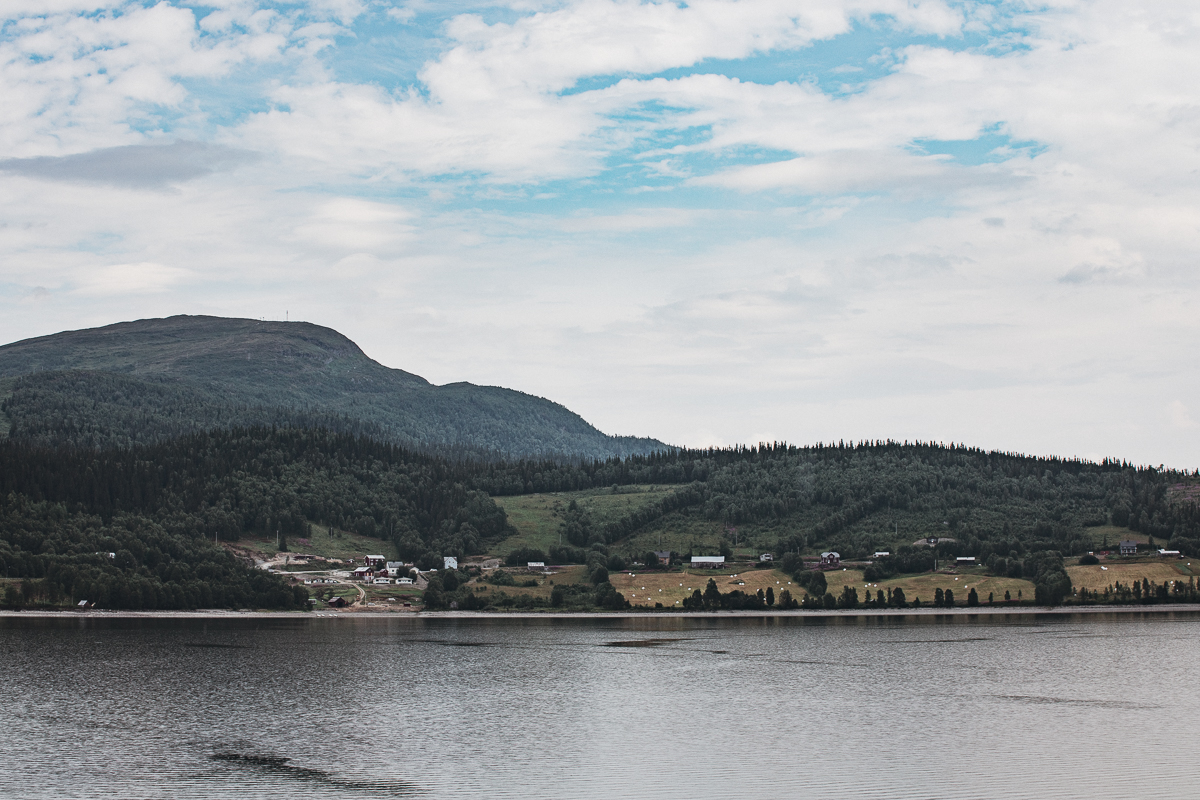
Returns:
(373, 582)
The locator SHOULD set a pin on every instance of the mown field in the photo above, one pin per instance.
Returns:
(924, 586)
(1098, 577)
(670, 588)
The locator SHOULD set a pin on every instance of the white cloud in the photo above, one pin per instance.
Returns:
(125, 279)
(1180, 416)
(493, 102)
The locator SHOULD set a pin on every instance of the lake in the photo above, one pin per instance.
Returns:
(1007, 706)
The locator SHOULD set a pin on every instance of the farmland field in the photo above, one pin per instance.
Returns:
(924, 586)
(670, 588)
(1098, 577)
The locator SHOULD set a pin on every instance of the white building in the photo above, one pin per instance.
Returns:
(708, 562)
(449, 562)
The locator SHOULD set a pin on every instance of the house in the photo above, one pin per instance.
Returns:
(831, 559)
(336, 602)
(404, 581)
(881, 554)
(362, 573)
(965, 561)
(382, 581)
(664, 557)
(1129, 548)
(449, 562)
(374, 561)
(708, 562)
(536, 566)
(491, 563)
(1169, 553)
(766, 557)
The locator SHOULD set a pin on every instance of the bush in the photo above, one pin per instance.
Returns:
(1088, 560)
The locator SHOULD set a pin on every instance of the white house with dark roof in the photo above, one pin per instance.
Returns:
(708, 562)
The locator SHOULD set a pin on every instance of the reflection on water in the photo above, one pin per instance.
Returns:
(1018, 706)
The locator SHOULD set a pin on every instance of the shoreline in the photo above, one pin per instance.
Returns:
(1163, 608)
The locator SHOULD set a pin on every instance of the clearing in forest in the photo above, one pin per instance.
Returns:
(538, 517)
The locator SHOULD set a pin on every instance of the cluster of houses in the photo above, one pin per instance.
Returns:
(378, 570)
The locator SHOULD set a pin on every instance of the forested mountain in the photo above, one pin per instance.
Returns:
(151, 380)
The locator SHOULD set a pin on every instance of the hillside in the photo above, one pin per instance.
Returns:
(160, 510)
(855, 499)
(150, 380)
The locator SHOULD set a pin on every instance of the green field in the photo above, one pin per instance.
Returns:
(565, 576)
(343, 545)
(1109, 537)
(538, 517)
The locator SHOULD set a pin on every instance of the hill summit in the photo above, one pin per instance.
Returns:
(152, 379)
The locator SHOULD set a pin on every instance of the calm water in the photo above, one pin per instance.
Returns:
(1020, 706)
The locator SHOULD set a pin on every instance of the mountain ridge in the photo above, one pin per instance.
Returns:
(143, 380)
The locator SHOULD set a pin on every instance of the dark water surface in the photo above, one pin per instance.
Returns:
(1018, 706)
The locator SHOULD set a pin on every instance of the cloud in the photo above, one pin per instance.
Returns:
(502, 101)
(151, 166)
(1180, 416)
(123, 279)
(834, 173)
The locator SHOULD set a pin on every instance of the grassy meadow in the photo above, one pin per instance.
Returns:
(538, 517)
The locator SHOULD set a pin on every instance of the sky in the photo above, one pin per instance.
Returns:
(710, 222)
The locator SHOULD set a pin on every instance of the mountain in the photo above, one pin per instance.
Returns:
(154, 379)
